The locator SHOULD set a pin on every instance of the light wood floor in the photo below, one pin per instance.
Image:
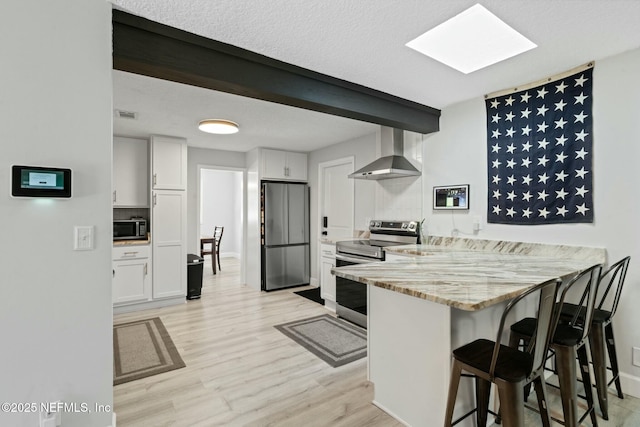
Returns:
(241, 370)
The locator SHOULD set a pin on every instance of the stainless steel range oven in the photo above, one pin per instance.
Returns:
(351, 296)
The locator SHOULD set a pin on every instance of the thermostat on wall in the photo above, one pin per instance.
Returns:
(37, 181)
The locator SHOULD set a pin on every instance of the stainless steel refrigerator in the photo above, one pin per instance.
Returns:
(285, 235)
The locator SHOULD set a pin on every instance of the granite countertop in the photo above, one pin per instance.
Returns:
(446, 244)
(470, 278)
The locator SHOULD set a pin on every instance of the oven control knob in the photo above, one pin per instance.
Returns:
(372, 224)
(404, 225)
(377, 224)
(412, 225)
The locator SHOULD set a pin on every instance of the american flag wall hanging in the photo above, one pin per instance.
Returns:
(539, 153)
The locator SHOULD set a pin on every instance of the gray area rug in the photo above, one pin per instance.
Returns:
(141, 349)
(332, 340)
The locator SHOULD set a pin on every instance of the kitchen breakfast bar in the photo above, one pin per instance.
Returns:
(427, 300)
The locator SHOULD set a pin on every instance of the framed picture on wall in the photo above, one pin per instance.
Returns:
(451, 197)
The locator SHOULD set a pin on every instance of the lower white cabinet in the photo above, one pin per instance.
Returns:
(131, 274)
(327, 280)
(169, 249)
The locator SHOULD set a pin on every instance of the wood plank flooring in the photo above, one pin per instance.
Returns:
(240, 370)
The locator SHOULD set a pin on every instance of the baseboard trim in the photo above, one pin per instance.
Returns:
(630, 384)
(229, 255)
(148, 305)
(391, 414)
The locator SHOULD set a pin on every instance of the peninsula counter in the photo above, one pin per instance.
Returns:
(436, 298)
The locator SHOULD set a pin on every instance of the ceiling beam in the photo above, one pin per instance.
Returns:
(149, 48)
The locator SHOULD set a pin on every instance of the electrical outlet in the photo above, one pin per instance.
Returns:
(636, 356)
(476, 223)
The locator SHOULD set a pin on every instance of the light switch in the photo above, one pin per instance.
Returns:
(83, 238)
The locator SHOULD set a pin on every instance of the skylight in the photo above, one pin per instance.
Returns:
(471, 40)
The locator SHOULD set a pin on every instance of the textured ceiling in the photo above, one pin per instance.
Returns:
(364, 41)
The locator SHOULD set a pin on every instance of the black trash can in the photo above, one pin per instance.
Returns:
(195, 265)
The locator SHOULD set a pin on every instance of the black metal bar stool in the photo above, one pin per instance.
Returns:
(509, 368)
(601, 334)
(569, 340)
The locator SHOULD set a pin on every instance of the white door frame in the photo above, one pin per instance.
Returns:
(243, 252)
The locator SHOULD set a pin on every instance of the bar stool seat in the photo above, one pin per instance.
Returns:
(566, 335)
(512, 365)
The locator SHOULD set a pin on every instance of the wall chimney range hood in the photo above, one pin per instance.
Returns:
(391, 166)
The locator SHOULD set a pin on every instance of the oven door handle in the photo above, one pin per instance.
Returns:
(355, 260)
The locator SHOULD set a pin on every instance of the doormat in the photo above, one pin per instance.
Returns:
(311, 294)
(141, 349)
(332, 340)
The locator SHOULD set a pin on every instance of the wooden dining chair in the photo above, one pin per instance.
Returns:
(214, 249)
(217, 238)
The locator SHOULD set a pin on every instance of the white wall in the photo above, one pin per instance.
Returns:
(252, 246)
(221, 193)
(209, 158)
(55, 303)
(457, 155)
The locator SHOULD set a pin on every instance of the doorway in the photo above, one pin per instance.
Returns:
(221, 203)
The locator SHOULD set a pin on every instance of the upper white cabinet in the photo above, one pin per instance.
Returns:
(168, 163)
(284, 165)
(130, 172)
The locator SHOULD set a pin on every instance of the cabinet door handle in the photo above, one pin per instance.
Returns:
(113, 273)
(155, 178)
(130, 254)
(145, 268)
(114, 196)
(155, 200)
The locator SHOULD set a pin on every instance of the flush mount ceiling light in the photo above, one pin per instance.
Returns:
(471, 40)
(218, 126)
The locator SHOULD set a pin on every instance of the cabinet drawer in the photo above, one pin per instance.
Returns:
(131, 252)
(328, 251)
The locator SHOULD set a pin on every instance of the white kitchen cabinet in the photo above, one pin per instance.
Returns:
(168, 236)
(168, 163)
(328, 280)
(284, 165)
(130, 172)
(131, 274)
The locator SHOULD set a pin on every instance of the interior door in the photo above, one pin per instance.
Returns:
(337, 199)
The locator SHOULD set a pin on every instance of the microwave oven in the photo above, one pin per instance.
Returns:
(129, 229)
